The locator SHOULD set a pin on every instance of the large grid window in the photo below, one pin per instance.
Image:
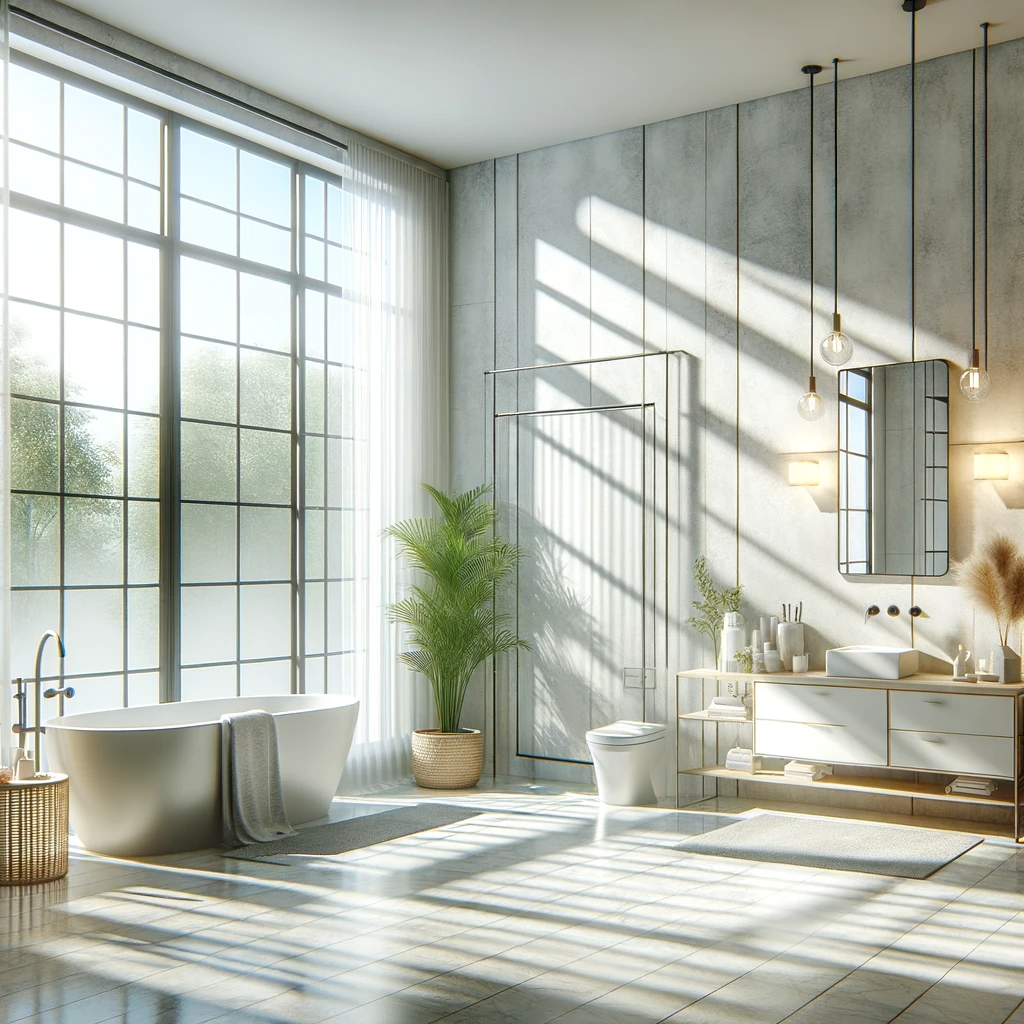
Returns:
(182, 396)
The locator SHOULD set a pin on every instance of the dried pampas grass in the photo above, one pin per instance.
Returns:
(994, 578)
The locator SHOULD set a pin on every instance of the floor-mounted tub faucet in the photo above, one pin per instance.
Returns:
(37, 730)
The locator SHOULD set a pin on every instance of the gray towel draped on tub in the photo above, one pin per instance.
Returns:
(251, 794)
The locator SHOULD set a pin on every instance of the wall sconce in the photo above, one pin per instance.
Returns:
(991, 466)
(807, 474)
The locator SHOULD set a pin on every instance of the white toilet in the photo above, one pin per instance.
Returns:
(629, 762)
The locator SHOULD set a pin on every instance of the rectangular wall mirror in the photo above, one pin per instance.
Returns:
(894, 469)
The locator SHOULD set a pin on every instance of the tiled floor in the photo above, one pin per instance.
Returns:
(545, 908)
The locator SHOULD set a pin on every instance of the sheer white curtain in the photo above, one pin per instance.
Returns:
(5, 422)
(397, 308)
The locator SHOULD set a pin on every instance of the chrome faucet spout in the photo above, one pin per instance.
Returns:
(39, 684)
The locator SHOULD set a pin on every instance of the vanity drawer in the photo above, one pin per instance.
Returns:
(917, 711)
(821, 742)
(855, 707)
(952, 753)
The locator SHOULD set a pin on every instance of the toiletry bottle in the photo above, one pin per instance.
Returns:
(969, 669)
(960, 663)
(733, 635)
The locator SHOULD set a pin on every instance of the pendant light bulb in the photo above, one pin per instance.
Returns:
(975, 383)
(811, 406)
(837, 348)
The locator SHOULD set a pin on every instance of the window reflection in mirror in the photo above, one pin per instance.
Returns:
(893, 469)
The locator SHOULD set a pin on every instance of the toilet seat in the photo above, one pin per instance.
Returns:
(622, 734)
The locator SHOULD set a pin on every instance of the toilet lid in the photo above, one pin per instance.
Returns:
(624, 733)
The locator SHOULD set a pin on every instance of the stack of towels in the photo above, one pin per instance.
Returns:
(741, 759)
(972, 787)
(728, 707)
(806, 770)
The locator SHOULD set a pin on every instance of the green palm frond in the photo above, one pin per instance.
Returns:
(451, 624)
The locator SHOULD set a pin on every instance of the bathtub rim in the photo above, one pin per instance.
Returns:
(66, 723)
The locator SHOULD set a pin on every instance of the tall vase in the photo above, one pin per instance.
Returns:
(791, 641)
(1006, 664)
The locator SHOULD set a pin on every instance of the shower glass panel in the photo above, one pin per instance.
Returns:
(575, 489)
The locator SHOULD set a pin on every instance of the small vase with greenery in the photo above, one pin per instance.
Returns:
(451, 622)
(714, 603)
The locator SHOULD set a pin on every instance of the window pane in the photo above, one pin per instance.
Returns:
(144, 284)
(339, 616)
(265, 244)
(34, 173)
(337, 351)
(35, 445)
(208, 624)
(314, 259)
(266, 544)
(35, 350)
(143, 689)
(334, 223)
(34, 108)
(93, 129)
(143, 369)
(265, 678)
(207, 300)
(143, 207)
(208, 536)
(335, 259)
(315, 628)
(143, 542)
(93, 272)
(340, 544)
(92, 191)
(93, 623)
(35, 260)
(209, 227)
(207, 462)
(266, 620)
(266, 320)
(93, 444)
(32, 613)
(93, 541)
(208, 380)
(143, 629)
(314, 471)
(93, 361)
(314, 218)
(314, 398)
(266, 467)
(208, 169)
(143, 146)
(266, 390)
(314, 545)
(339, 400)
(339, 473)
(101, 693)
(35, 537)
(315, 675)
(208, 683)
(314, 327)
(143, 457)
(265, 189)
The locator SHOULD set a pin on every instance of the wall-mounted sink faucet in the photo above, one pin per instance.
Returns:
(22, 728)
(871, 611)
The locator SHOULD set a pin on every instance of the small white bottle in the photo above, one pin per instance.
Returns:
(960, 663)
(733, 636)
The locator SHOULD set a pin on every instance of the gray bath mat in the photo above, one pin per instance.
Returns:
(834, 843)
(355, 833)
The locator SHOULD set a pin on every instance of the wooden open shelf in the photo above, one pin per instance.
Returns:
(703, 716)
(858, 783)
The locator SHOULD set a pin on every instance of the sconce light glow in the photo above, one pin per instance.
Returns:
(975, 381)
(804, 474)
(991, 466)
(837, 348)
(811, 406)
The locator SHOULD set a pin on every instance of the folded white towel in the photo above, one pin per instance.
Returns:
(726, 700)
(732, 714)
(806, 770)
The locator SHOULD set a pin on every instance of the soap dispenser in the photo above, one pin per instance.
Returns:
(960, 663)
(733, 635)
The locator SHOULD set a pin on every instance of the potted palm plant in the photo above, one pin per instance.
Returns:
(452, 624)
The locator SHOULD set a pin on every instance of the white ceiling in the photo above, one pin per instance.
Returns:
(456, 81)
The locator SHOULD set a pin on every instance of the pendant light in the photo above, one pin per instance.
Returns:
(975, 382)
(811, 406)
(837, 348)
(912, 7)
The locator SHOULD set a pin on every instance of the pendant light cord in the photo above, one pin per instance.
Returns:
(810, 87)
(984, 208)
(974, 202)
(835, 185)
(913, 211)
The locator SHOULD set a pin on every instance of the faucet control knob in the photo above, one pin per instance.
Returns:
(916, 612)
(892, 611)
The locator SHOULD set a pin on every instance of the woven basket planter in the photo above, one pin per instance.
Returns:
(447, 760)
(34, 830)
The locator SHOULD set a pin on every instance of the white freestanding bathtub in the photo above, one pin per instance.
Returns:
(146, 780)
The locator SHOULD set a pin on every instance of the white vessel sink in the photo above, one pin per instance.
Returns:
(869, 662)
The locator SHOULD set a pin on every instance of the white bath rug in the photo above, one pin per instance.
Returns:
(356, 833)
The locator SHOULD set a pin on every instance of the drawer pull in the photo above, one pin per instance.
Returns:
(935, 702)
(931, 740)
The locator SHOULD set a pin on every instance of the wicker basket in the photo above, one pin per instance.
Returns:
(34, 830)
(447, 760)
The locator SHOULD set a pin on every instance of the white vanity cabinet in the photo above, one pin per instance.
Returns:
(918, 729)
